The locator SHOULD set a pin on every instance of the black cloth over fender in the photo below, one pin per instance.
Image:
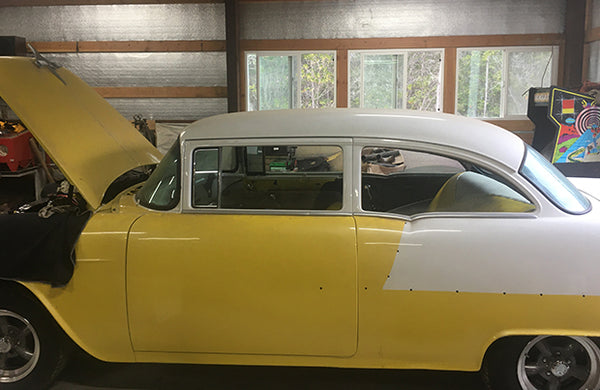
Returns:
(35, 249)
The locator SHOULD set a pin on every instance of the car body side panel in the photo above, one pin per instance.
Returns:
(419, 315)
(245, 284)
(502, 254)
(91, 309)
(398, 328)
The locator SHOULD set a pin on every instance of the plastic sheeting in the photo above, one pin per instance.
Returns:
(146, 69)
(392, 18)
(166, 135)
(115, 22)
(170, 108)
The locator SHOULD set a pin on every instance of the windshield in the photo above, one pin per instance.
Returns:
(552, 183)
(161, 190)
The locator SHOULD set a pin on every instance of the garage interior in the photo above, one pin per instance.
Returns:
(165, 64)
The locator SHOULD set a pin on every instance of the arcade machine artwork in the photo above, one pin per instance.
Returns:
(567, 129)
(579, 130)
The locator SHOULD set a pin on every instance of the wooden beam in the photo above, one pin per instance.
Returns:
(574, 40)
(44, 3)
(515, 125)
(232, 32)
(342, 78)
(561, 64)
(54, 47)
(162, 92)
(403, 42)
(449, 80)
(588, 15)
(592, 35)
(127, 46)
(149, 46)
(243, 86)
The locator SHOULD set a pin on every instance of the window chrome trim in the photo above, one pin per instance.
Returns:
(513, 177)
(217, 171)
(189, 145)
(447, 215)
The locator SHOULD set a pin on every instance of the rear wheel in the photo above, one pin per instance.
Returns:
(31, 346)
(544, 363)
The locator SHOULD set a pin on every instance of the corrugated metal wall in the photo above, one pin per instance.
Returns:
(146, 69)
(134, 22)
(262, 20)
(115, 22)
(393, 18)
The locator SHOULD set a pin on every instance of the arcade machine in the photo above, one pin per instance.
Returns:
(567, 130)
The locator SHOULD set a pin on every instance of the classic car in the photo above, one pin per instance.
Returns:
(341, 238)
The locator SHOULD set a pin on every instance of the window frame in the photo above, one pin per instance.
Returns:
(440, 92)
(190, 145)
(519, 182)
(295, 78)
(504, 88)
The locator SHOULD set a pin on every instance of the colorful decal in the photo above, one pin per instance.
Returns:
(579, 127)
(568, 106)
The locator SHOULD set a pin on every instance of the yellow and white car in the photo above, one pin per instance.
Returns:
(340, 238)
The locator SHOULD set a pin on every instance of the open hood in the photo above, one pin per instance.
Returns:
(85, 136)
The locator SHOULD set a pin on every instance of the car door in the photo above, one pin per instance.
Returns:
(256, 263)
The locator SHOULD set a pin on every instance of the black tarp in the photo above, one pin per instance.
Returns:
(36, 249)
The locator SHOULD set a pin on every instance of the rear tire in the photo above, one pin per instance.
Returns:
(543, 363)
(32, 348)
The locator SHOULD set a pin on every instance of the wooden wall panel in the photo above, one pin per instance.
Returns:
(449, 80)
(128, 46)
(403, 42)
(162, 92)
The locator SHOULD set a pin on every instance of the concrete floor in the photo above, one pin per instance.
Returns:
(86, 373)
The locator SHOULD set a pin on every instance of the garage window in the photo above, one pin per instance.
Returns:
(408, 182)
(408, 79)
(285, 80)
(278, 177)
(493, 82)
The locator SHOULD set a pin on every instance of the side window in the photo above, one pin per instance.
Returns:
(277, 177)
(206, 173)
(408, 182)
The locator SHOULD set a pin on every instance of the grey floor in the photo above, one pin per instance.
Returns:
(86, 373)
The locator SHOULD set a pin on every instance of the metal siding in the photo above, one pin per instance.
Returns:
(146, 69)
(115, 22)
(392, 18)
(170, 108)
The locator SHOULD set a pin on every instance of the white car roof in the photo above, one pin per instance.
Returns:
(434, 128)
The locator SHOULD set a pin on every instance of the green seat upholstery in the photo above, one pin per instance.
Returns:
(473, 192)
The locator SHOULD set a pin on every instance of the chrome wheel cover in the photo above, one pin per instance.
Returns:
(559, 363)
(19, 347)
